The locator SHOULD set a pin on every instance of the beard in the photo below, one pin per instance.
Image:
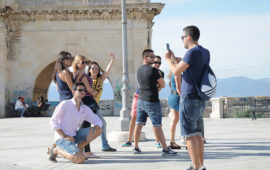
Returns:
(150, 62)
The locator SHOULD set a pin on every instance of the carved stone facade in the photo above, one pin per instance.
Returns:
(33, 32)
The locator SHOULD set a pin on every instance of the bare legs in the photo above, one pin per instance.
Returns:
(157, 131)
(131, 128)
(175, 120)
(79, 157)
(90, 137)
(195, 150)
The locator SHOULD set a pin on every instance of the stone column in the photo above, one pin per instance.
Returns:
(3, 69)
(217, 107)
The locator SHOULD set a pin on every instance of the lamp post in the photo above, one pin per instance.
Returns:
(122, 134)
(124, 113)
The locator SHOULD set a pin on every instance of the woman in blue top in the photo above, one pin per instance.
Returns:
(62, 76)
(64, 83)
(173, 102)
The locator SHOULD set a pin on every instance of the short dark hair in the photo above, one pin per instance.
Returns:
(146, 51)
(158, 57)
(192, 31)
(75, 85)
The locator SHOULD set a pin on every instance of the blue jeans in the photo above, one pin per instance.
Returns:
(191, 117)
(151, 109)
(71, 147)
(104, 140)
(22, 110)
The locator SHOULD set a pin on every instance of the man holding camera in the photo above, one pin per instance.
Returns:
(191, 105)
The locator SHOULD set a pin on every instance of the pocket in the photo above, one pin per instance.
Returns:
(194, 109)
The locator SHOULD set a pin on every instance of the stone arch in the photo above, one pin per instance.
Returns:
(35, 34)
(43, 81)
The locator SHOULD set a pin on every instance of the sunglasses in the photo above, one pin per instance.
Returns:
(183, 37)
(151, 56)
(95, 68)
(84, 62)
(157, 62)
(67, 58)
(81, 90)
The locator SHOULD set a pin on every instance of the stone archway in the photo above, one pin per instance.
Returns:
(43, 81)
(33, 32)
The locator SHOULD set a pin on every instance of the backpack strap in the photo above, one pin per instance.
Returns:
(193, 80)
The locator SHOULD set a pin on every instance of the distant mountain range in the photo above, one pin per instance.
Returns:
(243, 86)
(236, 87)
(233, 86)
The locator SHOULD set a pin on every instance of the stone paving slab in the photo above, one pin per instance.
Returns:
(232, 144)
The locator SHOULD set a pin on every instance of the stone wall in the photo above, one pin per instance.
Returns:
(222, 107)
(3, 69)
(106, 108)
(231, 106)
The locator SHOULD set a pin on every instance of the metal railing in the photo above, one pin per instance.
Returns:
(244, 107)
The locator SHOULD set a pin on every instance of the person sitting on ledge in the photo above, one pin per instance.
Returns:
(67, 118)
(20, 106)
(40, 104)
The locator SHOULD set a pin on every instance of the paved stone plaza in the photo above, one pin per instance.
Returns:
(233, 144)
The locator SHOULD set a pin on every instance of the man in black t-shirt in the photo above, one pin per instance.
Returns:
(149, 80)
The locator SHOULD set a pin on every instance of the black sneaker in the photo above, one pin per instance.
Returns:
(168, 152)
(137, 151)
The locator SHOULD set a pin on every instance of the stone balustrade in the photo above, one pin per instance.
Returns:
(220, 107)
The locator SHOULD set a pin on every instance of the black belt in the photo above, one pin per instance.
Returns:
(174, 92)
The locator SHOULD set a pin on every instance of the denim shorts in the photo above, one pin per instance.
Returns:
(151, 109)
(71, 147)
(191, 117)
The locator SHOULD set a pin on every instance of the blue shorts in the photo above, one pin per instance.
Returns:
(173, 101)
(71, 147)
(191, 117)
(151, 109)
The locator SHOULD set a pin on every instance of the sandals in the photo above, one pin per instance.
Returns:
(52, 156)
(174, 146)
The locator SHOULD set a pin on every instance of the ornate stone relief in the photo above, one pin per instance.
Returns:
(7, 7)
(103, 12)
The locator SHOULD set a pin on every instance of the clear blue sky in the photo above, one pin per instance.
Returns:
(236, 32)
(216, 7)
